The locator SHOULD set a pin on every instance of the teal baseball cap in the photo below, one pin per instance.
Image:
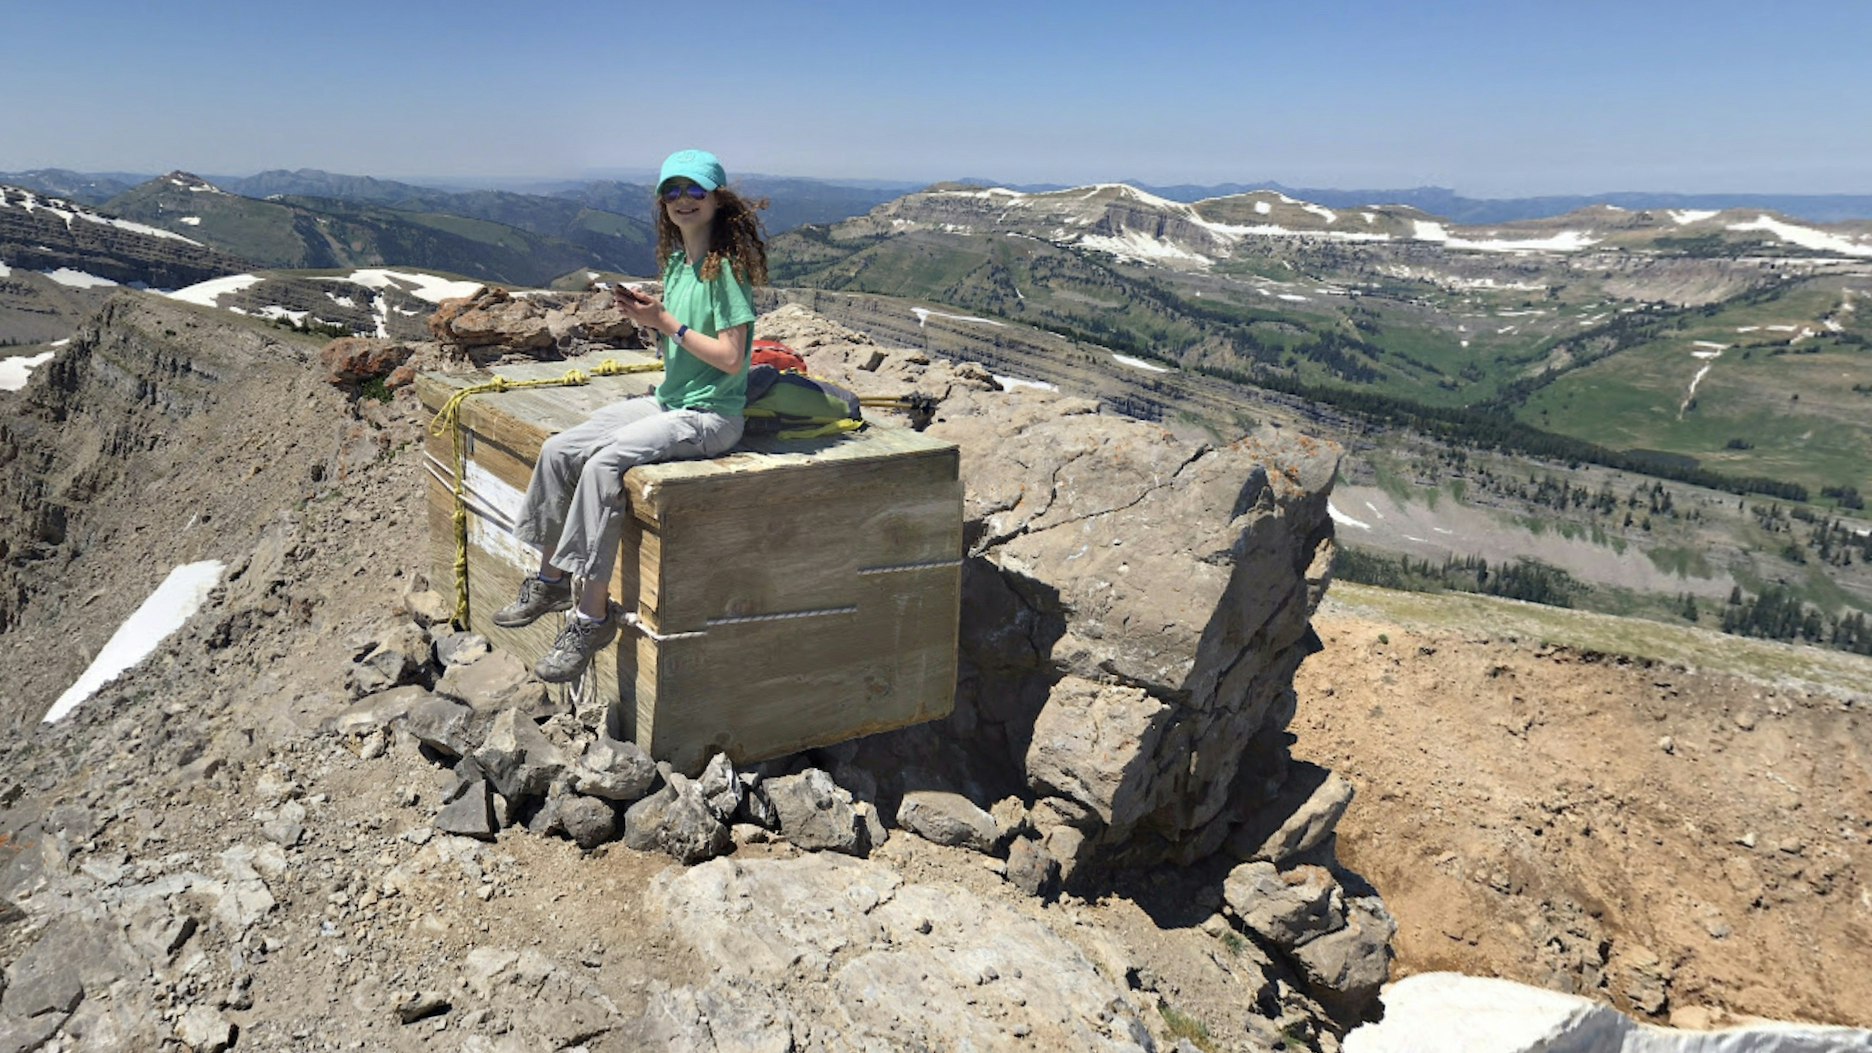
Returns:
(698, 166)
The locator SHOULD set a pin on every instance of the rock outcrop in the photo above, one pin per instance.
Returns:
(903, 966)
(1134, 609)
(493, 322)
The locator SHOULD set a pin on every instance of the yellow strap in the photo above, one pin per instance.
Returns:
(836, 427)
(449, 418)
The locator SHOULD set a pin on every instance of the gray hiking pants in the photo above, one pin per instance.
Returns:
(575, 504)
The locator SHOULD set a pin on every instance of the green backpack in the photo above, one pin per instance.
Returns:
(790, 405)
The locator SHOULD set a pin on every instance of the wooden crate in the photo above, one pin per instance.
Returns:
(786, 595)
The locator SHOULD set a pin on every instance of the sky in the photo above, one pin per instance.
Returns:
(1507, 98)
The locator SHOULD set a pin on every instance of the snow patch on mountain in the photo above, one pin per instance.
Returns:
(1137, 245)
(1805, 237)
(209, 293)
(167, 609)
(15, 371)
(1342, 519)
(275, 312)
(1235, 233)
(924, 314)
(195, 187)
(78, 279)
(1022, 382)
(1138, 363)
(426, 286)
(1565, 241)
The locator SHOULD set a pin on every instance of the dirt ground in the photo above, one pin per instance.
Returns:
(1689, 846)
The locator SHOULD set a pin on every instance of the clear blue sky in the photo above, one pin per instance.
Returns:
(1495, 99)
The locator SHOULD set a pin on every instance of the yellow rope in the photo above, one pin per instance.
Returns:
(449, 418)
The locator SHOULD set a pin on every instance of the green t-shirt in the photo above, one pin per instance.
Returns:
(708, 308)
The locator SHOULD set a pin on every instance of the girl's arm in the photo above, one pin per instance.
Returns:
(726, 350)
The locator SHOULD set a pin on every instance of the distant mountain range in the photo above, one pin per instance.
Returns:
(555, 210)
(1817, 208)
(798, 201)
(1560, 325)
(490, 235)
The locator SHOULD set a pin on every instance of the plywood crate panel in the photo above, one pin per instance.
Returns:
(786, 595)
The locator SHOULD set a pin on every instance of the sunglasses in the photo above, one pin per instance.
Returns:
(676, 193)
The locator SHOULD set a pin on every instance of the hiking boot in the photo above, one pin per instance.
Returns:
(574, 648)
(536, 598)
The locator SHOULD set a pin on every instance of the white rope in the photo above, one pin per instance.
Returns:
(479, 504)
(932, 565)
(637, 623)
(631, 619)
(821, 613)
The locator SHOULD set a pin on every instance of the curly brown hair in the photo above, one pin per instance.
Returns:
(735, 235)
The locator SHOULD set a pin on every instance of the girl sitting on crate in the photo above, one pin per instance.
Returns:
(709, 240)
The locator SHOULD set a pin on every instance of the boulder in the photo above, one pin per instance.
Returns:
(460, 648)
(947, 819)
(203, 1030)
(614, 770)
(431, 610)
(492, 683)
(355, 359)
(1345, 968)
(392, 659)
(1286, 909)
(376, 710)
(1106, 659)
(491, 318)
(757, 808)
(676, 820)
(1032, 870)
(520, 760)
(441, 724)
(1298, 819)
(468, 810)
(44, 980)
(588, 821)
(815, 813)
(720, 788)
(1092, 743)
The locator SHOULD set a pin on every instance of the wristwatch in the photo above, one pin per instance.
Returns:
(681, 331)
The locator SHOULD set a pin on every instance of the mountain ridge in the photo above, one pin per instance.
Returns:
(96, 188)
(302, 232)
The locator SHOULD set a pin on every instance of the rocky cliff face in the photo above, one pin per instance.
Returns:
(140, 445)
(45, 234)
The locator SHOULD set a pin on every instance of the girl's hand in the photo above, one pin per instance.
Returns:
(642, 309)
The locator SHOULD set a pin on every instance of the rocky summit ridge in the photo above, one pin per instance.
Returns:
(319, 818)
